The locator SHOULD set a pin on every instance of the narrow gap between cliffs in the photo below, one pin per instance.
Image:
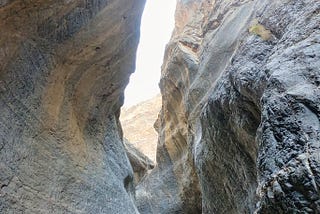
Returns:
(142, 95)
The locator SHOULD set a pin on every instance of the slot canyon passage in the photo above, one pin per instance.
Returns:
(239, 128)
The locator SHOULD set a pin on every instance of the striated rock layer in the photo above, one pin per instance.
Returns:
(239, 126)
(63, 69)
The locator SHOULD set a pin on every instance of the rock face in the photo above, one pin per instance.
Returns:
(63, 69)
(140, 163)
(239, 128)
(271, 84)
(239, 125)
(138, 125)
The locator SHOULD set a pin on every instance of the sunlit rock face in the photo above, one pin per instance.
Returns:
(239, 126)
(63, 69)
(138, 125)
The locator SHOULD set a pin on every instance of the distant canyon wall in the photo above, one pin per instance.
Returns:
(138, 125)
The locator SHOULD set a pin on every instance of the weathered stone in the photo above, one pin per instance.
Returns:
(239, 127)
(140, 163)
(256, 87)
(240, 89)
(63, 69)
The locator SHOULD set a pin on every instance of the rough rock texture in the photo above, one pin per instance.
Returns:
(275, 83)
(140, 163)
(138, 125)
(240, 113)
(239, 128)
(63, 69)
(173, 187)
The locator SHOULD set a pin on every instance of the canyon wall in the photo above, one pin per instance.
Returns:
(141, 164)
(63, 69)
(239, 126)
(137, 123)
(258, 118)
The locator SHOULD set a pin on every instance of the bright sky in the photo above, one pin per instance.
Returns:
(156, 28)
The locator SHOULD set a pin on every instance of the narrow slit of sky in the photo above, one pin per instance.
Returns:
(156, 28)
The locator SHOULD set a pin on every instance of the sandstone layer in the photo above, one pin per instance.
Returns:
(239, 125)
(63, 69)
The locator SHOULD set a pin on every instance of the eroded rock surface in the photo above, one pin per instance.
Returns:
(63, 69)
(239, 125)
(140, 163)
(271, 84)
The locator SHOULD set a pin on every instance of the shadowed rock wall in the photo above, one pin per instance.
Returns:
(239, 125)
(63, 69)
(270, 83)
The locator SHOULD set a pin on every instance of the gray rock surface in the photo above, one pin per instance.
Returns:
(289, 132)
(270, 84)
(239, 127)
(63, 69)
(140, 163)
(240, 114)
